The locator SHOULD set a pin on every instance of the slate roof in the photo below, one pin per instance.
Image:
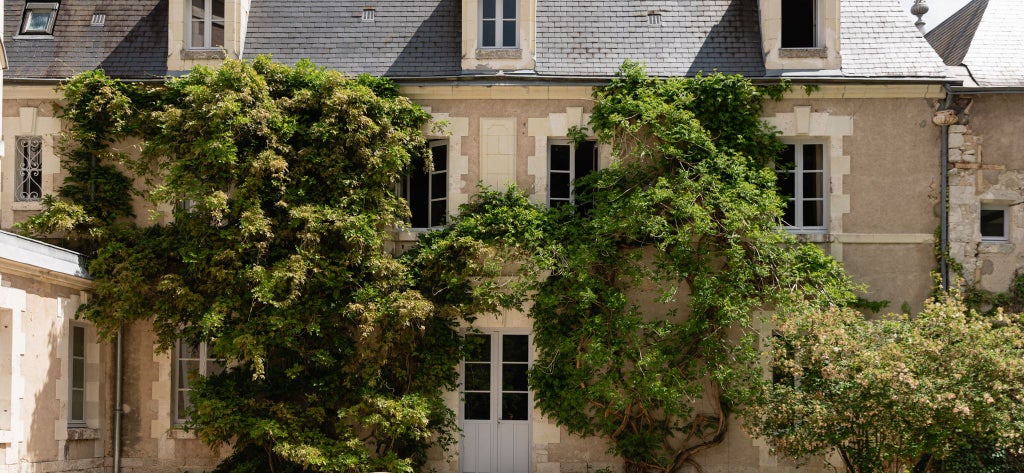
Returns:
(132, 44)
(416, 38)
(878, 40)
(594, 37)
(994, 51)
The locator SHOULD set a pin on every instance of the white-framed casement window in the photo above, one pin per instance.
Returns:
(802, 181)
(566, 163)
(206, 24)
(499, 23)
(995, 223)
(426, 191)
(39, 18)
(190, 361)
(76, 375)
(800, 19)
(29, 163)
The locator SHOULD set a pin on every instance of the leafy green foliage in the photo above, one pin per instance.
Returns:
(282, 182)
(896, 393)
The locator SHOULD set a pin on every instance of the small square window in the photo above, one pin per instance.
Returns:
(39, 18)
(654, 18)
(995, 223)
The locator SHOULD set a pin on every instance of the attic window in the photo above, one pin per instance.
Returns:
(39, 18)
(369, 15)
(800, 23)
(98, 19)
(654, 18)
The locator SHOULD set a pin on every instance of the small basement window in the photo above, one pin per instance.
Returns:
(39, 18)
(799, 23)
(995, 223)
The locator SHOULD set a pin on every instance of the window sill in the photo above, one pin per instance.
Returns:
(200, 54)
(995, 247)
(811, 236)
(27, 205)
(34, 36)
(178, 432)
(795, 53)
(499, 53)
(82, 433)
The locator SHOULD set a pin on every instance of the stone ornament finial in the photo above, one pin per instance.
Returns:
(919, 9)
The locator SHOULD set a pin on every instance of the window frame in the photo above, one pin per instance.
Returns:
(816, 22)
(177, 389)
(207, 26)
(798, 199)
(26, 166)
(572, 171)
(1005, 209)
(34, 7)
(499, 22)
(405, 189)
(76, 384)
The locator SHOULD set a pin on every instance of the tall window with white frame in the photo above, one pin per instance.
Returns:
(427, 190)
(800, 23)
(568, 162)
(206, 24)
(802, 181)
(29, 161)
(76, 378)
(190, 361)
(499, 23)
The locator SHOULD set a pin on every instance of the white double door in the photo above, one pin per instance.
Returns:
(496, 404)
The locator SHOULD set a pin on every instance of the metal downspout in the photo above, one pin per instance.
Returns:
(118, 402)
(944, 199)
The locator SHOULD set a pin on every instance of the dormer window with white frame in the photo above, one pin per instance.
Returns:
(39, 18)
(499, 24)
(800, 20)
(205, 24)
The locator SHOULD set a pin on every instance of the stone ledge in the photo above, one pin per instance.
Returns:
(499, 53)
(178, 433)
(83, 433)
(795, 53)
(200, 54)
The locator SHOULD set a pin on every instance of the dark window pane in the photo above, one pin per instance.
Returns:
(217, 34)
(187, 350)
(813, 213)
(487, 36)
(787, 158)
(813, 158)
(39, 20)
(515, 348)
(188, 370)
(214, 367)
(478, 377)
(478, 348)
(489, 9)
(798, 29)
(478, 406)
(198, 35)
(78, 373)
(586, 158)
(560, 157)
(813, 186)
(78, 341)
(513, 377)
(77, 405)
(438, 210)
(418, 197)
(785, 184)
(508, 9)
(438, 185)
(198, 9)
(993, 223)
(559, 185)
(515, 406)
(218, 10)
(440, 155)
(183, 404)
(508, 34)
(789, 214)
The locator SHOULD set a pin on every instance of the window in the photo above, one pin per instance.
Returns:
(369, 15)
(76, 378)
(427, 191)
(995, 223)
(190, 361)
(29, 162)
(801, 179)
(39, 17)
(654, 19)
(498, 24)
(206, 26)
(799, 23)
(566, 163)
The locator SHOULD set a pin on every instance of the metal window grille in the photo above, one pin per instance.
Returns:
(29, 156)
(369, 15)
(654, 19)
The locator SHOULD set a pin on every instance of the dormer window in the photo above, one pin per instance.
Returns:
(499, 24)
(800, 24)
(206, 24)
(39, 18)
